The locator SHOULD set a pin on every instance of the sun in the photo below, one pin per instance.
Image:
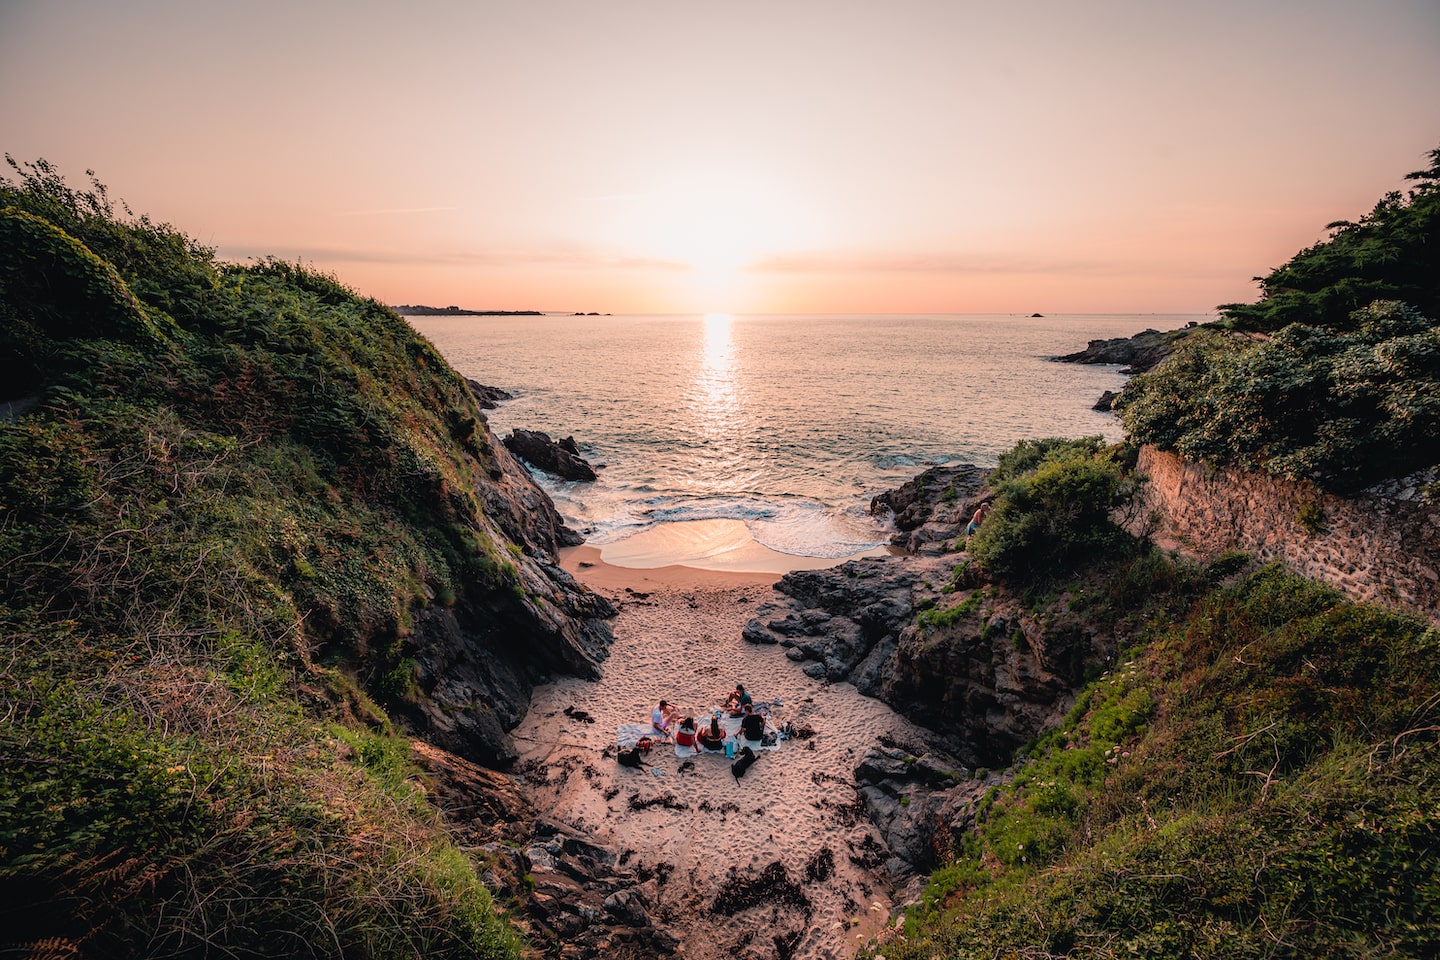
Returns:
(712, 236)
(715, 223)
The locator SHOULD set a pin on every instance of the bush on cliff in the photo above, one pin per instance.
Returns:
(1054, 507)
(228, 491)
(1257, 781)
(1338, 381)
(1344, 408)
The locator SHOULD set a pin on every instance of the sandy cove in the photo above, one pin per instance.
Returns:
(782, 863)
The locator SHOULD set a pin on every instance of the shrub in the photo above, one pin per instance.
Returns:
(1053, 509)
(1342, 385)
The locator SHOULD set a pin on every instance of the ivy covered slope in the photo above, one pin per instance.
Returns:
(249, 523)
(1333, 375)
(1257, 775)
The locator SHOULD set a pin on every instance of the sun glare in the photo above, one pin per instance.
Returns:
(710, 228)
(713, 224)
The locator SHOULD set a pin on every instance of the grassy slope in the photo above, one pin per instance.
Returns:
(234, 485)
(1257, 778)
(1260, 777)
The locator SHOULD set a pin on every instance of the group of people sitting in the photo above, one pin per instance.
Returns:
(753, 726)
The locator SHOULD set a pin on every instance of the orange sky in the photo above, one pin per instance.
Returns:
(777, 156)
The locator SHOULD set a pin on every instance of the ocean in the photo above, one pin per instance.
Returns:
(783, 426)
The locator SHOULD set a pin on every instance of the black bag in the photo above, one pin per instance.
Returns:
(743, 759)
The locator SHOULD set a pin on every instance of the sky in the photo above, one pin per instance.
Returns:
(677, 156)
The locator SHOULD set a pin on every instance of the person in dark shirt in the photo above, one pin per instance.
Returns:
(738, 700)
(752, 726)
(713, 738)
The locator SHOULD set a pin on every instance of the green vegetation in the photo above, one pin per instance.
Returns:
(941, 618)
(1256, 780)
(228, 490)
(1055, 506)
(1333, 376)
(1390, 254)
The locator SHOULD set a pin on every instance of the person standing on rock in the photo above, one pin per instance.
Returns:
(975, 521)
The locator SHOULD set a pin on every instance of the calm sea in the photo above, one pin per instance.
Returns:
(789, 424)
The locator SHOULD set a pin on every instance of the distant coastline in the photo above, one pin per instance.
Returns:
(420, 310)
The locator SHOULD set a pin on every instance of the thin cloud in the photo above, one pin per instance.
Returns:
(579, 259)
(385, 211)
(938, 263)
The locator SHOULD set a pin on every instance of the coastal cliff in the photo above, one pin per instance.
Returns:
(254, 529)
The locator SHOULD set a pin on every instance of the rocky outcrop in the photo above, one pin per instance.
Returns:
(973, 665)
(921, 803)
(930, 512)
(559, 457)
(478, 658)
(566, 892)
(1138, 353)
(489, 397)
(523, 511)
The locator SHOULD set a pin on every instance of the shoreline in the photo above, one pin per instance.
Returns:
(691, 553)
(586, 564)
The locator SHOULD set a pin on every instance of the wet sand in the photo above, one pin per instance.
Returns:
(787, 852)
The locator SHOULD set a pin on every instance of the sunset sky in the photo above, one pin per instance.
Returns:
(779, 156)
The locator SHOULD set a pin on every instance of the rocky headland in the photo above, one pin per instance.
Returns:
(1138, 353)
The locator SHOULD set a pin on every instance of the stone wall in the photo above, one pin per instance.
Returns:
(1383, 547)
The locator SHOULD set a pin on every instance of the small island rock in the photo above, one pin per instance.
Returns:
(559, 457)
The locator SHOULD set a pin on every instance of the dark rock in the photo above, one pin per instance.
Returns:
(578, 902)
(523, 511)
(489, 397)
(1106, 401)
(1139, 353)
(989, 680)
(930, 511)
(559, 457)
(479, 656)
(920, 804)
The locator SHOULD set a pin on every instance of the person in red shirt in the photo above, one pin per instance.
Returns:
(685, 736)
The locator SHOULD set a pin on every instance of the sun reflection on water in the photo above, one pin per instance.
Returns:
(715, 398)
(718, 350)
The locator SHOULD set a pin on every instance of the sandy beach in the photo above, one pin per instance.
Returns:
(780, 863)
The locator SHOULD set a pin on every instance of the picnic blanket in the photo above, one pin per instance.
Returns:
(629, 734)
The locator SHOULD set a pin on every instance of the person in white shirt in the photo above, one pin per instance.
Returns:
(661, 718)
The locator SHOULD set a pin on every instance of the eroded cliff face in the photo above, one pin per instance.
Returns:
(478, 660)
